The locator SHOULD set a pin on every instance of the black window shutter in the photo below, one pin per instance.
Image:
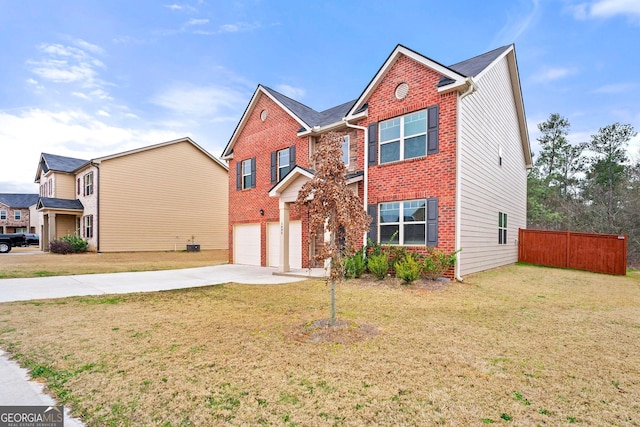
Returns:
(432, 130)
(274, 167)
(253, 172)
(372, 211)
(432, 222)
(372, 144)
(292, 157)
(239, 176)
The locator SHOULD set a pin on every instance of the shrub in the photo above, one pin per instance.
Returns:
(437, 262)
(69, 244)
(60, 247)
(355, 265)
(408, 269)
(378, 265)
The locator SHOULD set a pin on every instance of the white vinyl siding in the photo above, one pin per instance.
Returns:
(489, 130)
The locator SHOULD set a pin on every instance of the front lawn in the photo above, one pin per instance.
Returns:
(519, 345)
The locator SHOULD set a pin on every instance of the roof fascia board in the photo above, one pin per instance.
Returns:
(153, 147)
(291, 176)
(392, 59)
(260, 90)
(322, 129)
(522, 118)
(494, 62)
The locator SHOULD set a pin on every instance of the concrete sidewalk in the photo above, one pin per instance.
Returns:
(15, 386)
(17, 389)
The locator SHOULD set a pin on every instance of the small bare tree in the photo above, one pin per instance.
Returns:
(333, 208)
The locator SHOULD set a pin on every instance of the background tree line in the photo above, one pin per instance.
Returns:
(592, 186)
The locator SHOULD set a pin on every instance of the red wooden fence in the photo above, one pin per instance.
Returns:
(599, 253)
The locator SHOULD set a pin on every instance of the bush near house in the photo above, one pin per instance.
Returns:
(69, 244)
(398, 261)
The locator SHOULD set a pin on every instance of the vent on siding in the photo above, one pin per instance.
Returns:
(263, 115)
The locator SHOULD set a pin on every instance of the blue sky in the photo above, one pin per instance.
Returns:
(90, 78)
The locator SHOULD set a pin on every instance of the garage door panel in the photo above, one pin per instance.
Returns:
(246, 244)
(295, 244)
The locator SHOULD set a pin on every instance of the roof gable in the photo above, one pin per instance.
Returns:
(58, 163)
(454, 78)
(162, 144)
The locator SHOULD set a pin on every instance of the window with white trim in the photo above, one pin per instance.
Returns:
(88, 226)
(345, 150)
(246, 174)
(283, 163)
(403, 137)
(403, 223)
(17, 215)
(502, 228)
(3, 215)
(88, 184)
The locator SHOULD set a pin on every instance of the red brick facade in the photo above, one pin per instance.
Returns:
(430, 176)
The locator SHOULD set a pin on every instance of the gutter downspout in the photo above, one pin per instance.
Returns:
(366, 167)
(472, 88)
(97, 166)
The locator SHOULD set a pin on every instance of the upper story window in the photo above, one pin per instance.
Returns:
(17, 215)
(88, 184)
(246, 174)
(3, 215)
(345, 150)
(282, 161)
(405, 137)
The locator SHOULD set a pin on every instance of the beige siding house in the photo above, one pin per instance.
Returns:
(156, 198)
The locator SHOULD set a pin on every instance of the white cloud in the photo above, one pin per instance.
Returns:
(192, 22)
(62, 64)
(199, 101)
(615, 88)
(103, 113)
(517, 23)
(290, 91)
(548, 74)
(607, 9)
(72, 133)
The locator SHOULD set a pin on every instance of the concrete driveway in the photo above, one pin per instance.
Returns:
(144, 281)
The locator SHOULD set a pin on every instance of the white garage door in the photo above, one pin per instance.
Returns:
(246, 244)
(295, 244)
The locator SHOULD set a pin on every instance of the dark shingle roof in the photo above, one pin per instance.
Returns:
(473, 66)
(468, 68)
(18, 200)
(61, 163)
(310, 116)
(53, 203)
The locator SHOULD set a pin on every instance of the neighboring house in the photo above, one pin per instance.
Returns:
(15, 215)
(155, 198)
(438, 154)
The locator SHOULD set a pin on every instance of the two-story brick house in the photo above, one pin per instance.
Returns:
(438, 154)
(15, 213)
(155, 198)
